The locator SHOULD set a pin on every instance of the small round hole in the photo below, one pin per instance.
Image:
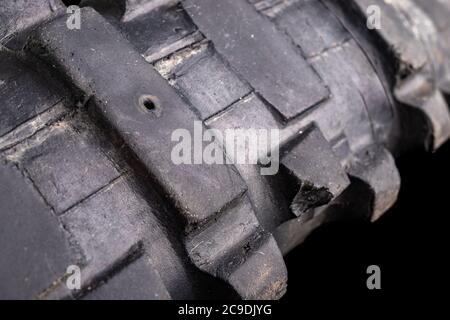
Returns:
(149, 103)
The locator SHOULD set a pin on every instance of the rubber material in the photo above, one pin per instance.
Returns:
(88, 178)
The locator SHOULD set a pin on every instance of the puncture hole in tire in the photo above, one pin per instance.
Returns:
(150, 104)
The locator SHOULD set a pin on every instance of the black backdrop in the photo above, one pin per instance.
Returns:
(410, 243)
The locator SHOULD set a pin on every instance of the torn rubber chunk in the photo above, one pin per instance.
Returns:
(310, 159)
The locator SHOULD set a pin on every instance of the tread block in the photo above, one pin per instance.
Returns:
(366, 81)
(254, 47)
(138, 21)
(116, 91)
(137, 281)
(110, 226)
(437, 14)
(376, 167)
(418, 92)
(348, 106)
(209, 246)
(255, 120)
(172, 24)
(341, 149)
(251, 113)
(263, 276)
(16, 16)
(101, 220)
(209, 84)
(311, 160)
(397, 32)
(34, 250)
(312, 27)
(23, 93)
(67, 167)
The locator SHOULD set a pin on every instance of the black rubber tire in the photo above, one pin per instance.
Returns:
(75, 191)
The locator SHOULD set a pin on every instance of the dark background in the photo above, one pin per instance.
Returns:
(409, 243)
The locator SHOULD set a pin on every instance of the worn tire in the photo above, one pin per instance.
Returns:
(79, 190)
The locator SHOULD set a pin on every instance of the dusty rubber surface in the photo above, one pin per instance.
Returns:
(87, 117)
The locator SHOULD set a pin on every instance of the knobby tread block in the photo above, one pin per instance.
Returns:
(348, 103)
(18, 17)
(438, 14)
(311, 34)
(23, 93)
(28, 232)
(256, 279)
(172, 24)
(311, 160)
(259, 53)
(397, 32)
(75, 168)
(208, 246)
(141, 281)
(252, 113)
(90, 226)
(210, 85)
(376, 167)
